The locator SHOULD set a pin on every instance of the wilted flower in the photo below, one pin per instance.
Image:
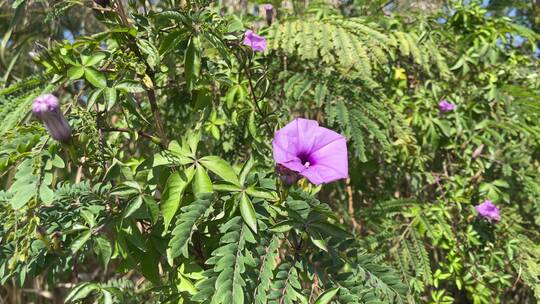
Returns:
(478, 151)
(103, 3)
(47, 109)
(445, 106)
(317, 153)
(488, 210)
(269, 11)
(256, 42)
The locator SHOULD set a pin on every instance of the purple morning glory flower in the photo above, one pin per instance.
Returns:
(317, 153)
(256, 42)
(445, 106)
(47, 109)
(488, 210)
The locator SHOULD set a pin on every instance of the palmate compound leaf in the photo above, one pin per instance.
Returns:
(187, 222)
(224, 283)
(174, 190)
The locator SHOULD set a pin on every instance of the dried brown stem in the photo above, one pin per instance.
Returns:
(350, 202)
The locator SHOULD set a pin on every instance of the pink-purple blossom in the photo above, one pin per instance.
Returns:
(446, 106)
(317, 153)
(47, 109)
(256, 42)
(488, 210)
(267, 7)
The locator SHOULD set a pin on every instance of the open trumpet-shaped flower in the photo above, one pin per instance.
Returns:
(256, 42)
(317, 153)
(47, 109)
(488, 210)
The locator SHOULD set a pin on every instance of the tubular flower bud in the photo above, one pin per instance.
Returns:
(103, 3)
(287, 176)
(269, 11)
(47, 109)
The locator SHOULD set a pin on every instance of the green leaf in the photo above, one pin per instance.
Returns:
(23, 194)
(95, 77)
(103, 250)
(92, 97)
(317, 239)
(284, 226)
(174, 190)
(81, 240)
(81, 292)
(192, 62)
(75, 72)
(203, 99)
(331, 229)
(201, 183)
(248, 212)
(58, 162)
(260, 193)
(149, 265)
(327, 296)
(92, 60)
(186, 225)
(46, 194)
(226, 188)
(245, 170)
(152, 54)
(152, 207)
(109, 94)
(133, 206)
(129, 86)
(107, 297)
(221, 168)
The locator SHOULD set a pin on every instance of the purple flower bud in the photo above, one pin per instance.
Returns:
(445, 106)
(478, 151)
(269, 11)
(488, 211)
(47, 109)
(103, 3)
(287, 176)
(256, 42)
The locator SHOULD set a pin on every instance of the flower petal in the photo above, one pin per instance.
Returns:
(297, 137)
(319, 174)
(333, 156)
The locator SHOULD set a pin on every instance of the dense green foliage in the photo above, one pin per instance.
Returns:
(168, 193)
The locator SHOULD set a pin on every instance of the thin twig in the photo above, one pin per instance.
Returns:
(356, 225)
(149, 91)
(252, 91)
